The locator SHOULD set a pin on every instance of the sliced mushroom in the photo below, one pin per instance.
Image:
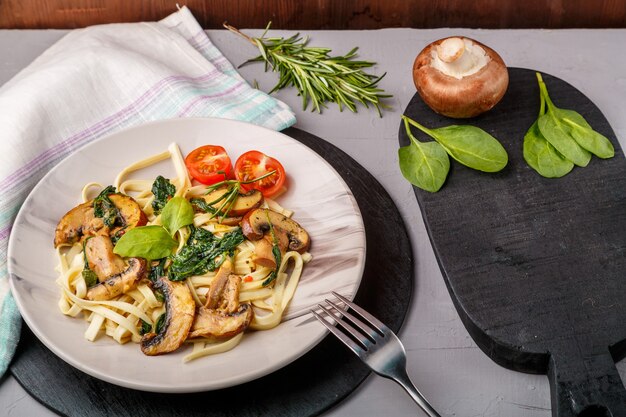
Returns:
(263, 254)
(179, 315)
(219, 324)
(243, 204)
(218, 284)
(256, 224)
(77, 222)
(130, 211)
(81, 220)
(121, 283)
(101, 259)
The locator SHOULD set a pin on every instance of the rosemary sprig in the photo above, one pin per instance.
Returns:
(318, 77)
(227, 199)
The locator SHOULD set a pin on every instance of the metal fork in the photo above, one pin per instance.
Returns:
(374, 343)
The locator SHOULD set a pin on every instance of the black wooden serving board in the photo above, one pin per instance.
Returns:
(310, 385)
(536, 267)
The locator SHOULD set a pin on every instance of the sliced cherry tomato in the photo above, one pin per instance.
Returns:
(255, 164)
(209, 164)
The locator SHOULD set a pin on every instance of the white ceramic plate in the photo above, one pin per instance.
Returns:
(323, 205)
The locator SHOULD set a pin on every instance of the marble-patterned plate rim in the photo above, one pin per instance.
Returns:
(316, 192)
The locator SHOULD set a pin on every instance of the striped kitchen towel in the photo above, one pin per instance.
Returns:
(99, 80)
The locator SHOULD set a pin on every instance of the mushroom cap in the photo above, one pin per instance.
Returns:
(460, 98)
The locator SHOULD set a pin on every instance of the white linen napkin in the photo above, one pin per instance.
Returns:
(99, 80)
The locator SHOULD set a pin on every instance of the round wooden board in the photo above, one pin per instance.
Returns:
(310, 385)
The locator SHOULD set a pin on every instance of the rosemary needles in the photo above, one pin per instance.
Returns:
(318, 77)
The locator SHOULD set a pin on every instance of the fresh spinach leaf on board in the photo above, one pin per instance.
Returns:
(149, 242)
(177, 213)
(561, 138)
(423, 164)
(540, 155)
(426, 165)
(163, 190)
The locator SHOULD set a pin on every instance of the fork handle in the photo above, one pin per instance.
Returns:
(403, 379)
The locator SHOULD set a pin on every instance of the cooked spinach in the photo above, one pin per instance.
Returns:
(157, 271)
(275, 252)
(104, 208)
(202, 205)
(201, 252)
(160, 323)
(163, 190)
(145, 328)
(426, 165)
(561, 138)
(90, 277)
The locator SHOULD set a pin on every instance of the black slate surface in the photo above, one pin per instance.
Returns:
(536, 267)
(310, 385)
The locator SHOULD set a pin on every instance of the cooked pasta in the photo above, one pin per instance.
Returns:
(139, 308)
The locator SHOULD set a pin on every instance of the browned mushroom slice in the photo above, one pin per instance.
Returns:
(219, 324)
(218, 284)
(130, 211)
(121, 283)
(243, 204)
(77, 222)
(263, 248)
(101, 259)
(81, 220)
(255, 224)
(179, 315)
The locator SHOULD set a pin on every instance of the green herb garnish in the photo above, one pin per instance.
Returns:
(149, 242)
(426, 164)
(104, 208)
(177, 213)
(163, 190)
(318, 77)
(203, 252)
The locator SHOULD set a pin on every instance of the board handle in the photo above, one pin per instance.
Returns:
(585, 385)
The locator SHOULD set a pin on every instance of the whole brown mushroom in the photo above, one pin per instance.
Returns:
(460, 77)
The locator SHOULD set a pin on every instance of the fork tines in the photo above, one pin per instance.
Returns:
(365, 330)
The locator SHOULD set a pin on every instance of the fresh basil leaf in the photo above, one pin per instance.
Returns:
(177, 213)
(149, 242)
(472, 146)
(541, 156)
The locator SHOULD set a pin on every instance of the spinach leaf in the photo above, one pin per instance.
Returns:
(158, 270)
(472, 146)
(145, 327)
(149, 242)
(160, 323)
(201, 253)
(543, 157)
(163, 190)
(594, 142)
(202, 205)
(177, 213)
(104, 208)
(423, 164)
(275, 252)
(90, 277)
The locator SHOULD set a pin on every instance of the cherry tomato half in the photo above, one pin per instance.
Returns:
(255, 164)
(209, 164)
